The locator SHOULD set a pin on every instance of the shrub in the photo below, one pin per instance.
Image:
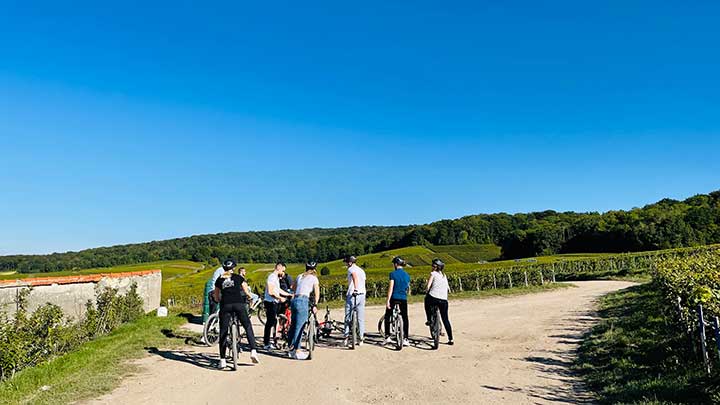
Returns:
(325, 271)
(27, 340)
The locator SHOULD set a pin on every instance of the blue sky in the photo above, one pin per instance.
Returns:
(127, 122)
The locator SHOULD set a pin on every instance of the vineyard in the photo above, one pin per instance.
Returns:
(691, 286)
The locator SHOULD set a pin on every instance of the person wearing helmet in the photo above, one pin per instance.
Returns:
(228, 266)
(306, 284)
(397, 294)
(437, 295)
(232, 291)
(356, 288)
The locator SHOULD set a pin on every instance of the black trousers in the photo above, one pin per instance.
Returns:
(403, 312)
(240, 309)
(431, 301)
(270, 320)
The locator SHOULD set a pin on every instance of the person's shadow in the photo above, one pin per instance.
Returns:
(202, 360)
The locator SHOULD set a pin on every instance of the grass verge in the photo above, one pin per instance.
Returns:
(92, 370)
(636, 354)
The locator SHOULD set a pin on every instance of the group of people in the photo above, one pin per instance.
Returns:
(233, 293)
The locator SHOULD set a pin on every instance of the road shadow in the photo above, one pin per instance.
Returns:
(557, 365)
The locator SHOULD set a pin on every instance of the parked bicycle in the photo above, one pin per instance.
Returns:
(396, 326)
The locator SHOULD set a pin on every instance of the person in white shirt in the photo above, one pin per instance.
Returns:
(273, 296)
(306, 284)
(437, 295)
(356, 293)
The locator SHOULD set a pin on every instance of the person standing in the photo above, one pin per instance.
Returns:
(397, 294)
(437, 296)
(356, 293)
(306, 284)
(273, 296)
(231, 291)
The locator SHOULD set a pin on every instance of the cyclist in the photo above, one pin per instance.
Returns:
(273, 296)
(356, 286)
(227, 266)
(397, 294)
(231, 291)
(306, 284)
(437, 295)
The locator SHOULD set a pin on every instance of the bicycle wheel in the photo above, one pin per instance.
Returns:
(261, 315)
(353, 330)
(399, 332)
(381, 326)
(435, 331)
(310, 338)
(211, 330)
(234, 344)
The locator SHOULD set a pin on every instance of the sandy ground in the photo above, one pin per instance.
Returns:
(507, 350)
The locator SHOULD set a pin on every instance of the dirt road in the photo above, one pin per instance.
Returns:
(508, 350)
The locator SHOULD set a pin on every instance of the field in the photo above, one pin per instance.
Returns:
(183, 281)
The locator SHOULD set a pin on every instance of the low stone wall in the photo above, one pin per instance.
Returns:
(72, 292)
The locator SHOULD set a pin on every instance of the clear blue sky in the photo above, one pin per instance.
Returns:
(134, 122)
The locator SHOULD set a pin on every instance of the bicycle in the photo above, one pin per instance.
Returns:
(354, 338)
(211, 329)
(283, 326)
(396, 326)
(325, 328)
(234, 340)
(309, 334)
(435, 326)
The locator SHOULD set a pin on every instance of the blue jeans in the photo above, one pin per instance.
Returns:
(361, 314)
(299, 308)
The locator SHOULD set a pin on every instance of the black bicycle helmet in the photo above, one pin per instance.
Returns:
(311, 265)
(229, 265)
(350, 259)
(439, 264)
(398, 260)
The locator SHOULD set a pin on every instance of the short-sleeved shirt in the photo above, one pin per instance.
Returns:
(305, 284)
(360, 274)
(275, 281)
(402, 282)
(438, 285)
(217, 273)
(231, 289)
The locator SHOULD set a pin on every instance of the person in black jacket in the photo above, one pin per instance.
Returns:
(232, 292)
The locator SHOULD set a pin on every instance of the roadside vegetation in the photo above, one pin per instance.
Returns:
(647, 348)
(93, 368)
(636, 354)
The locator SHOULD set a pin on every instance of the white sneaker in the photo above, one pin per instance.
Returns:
(222, 364)
(291, 354)
(346, 342)
(270, 347)
(301, 355)
(388, 340)
(254, 356)
(360, 342)
(406, 342)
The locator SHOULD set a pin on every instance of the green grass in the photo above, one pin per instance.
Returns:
(638, 355)
(94, 369)
(170, 269)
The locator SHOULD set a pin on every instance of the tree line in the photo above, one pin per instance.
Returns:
(662, 225)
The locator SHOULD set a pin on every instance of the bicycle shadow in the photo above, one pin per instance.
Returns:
(202, 360)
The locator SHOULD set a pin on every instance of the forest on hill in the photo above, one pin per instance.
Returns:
(662, 225)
